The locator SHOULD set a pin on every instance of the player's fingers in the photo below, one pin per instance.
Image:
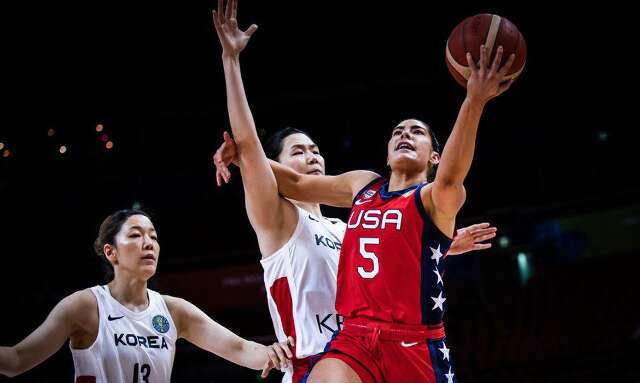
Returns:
(478, 226)
(505, 68)
(483, 58)
(227, 12)
(273, 357)
(471, 63)
(251, 30)
(234, 9)
(282, 359)
(265, 371)
(480, 232)
(287, 351)
(481, 246)
(484, 237)
(220, 10)
(497, 60)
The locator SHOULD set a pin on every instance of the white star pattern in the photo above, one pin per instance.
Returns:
(449, 376)
(436, 254)
(439, 277)
(445, 352)
(438, 302)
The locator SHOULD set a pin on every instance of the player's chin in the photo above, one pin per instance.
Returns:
(404, 159)
(147, 271)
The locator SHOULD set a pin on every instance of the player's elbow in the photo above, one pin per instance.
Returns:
(448, 181)
(10, 361)
(292, 186)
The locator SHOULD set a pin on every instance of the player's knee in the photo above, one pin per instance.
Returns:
(333, 371)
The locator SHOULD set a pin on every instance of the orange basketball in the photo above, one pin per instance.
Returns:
(492, 31)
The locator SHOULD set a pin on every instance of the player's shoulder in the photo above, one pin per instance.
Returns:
(173, 302)
(362, 181)
(360, 178)
(81, 300)
(79, 308)
(178, 307)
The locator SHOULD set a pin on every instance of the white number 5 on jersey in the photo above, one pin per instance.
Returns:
(369, 255)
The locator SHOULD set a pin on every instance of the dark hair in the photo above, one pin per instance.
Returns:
(273, 146)
(435, 145)
(109, 228)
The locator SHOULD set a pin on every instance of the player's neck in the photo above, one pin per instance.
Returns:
(400, 181)
(312, 208)
(130, 292)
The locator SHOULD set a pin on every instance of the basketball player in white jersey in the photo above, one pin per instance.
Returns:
(123, 332)
(300, 248)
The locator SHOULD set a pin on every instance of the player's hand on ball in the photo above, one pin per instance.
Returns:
(487, 80)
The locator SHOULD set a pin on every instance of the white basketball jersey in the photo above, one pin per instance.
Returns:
(131, 347)
(300, 280)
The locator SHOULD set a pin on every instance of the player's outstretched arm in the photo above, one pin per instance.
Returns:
(331, 190)
(266, 210)
(337, 191)
(65, 319)
(195, 326)
(447, 194)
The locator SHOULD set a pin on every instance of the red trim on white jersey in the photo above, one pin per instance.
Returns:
(300, 280)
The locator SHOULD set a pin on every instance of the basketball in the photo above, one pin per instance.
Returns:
(492, 31)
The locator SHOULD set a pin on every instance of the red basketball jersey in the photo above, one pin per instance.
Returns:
(392, 259)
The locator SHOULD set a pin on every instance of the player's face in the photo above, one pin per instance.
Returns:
(137, 248)
(410, 147)
(301, 154)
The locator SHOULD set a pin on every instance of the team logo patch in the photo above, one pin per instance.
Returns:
(160, 323)
(369, 193)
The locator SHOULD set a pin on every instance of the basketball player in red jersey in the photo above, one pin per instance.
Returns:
(300, 274)
(390, 288)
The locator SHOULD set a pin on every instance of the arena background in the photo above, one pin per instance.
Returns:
(555, 300)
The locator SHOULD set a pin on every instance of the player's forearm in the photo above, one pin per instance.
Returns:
(9, 361)
(253, 355)
(240, 117)
(458, 152)
(288, 180)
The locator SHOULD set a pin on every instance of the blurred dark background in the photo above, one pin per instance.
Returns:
(555, 300)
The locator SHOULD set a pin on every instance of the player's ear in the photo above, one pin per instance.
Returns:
(110, 253)
(435, 158)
